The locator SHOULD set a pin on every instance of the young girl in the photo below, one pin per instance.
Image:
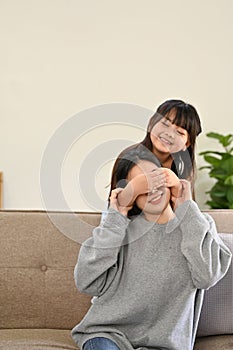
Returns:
(171, 136)
(147, 272)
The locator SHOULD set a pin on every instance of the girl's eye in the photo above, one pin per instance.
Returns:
(166, 123)
(180, 132)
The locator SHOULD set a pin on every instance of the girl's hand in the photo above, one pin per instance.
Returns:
(169, 177)
(140, 184)
(115, 204)
(184, 195)
(170, 180)
(147, 182)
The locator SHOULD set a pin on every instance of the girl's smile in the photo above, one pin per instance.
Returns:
(167, 137)
(165, 141)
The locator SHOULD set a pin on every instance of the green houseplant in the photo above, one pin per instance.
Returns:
(220, 168)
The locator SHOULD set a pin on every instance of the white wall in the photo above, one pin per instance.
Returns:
(61, 57)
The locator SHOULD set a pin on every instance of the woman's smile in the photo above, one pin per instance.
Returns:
(156, 198)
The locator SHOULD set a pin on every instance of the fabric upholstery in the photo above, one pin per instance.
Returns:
(36, 272)
(216, 317)
(220, 342)
(36, 339)
(39, 301)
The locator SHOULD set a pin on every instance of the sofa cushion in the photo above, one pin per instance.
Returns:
(37, 262)
(217, 311)
(36, 339)
(219, 342)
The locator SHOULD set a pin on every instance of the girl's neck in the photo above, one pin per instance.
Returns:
(164, 158)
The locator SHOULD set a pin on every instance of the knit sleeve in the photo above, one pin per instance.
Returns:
(207, 256)
(97, 263)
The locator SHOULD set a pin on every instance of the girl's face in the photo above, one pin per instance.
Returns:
(167, 137)
(152, 204)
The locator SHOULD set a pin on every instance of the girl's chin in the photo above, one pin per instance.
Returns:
(162, 148)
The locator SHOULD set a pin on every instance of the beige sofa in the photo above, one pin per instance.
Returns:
(39, 302)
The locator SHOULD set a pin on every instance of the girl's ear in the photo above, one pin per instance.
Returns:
(186, 145)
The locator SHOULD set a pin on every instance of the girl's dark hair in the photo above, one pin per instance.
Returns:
(124, 163)
(186, 116)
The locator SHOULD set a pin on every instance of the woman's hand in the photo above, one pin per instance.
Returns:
(115, 204)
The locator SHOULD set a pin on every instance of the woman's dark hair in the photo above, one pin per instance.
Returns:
(186, 116)
(124, 163)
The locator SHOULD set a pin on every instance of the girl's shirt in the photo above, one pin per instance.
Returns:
(148, 279)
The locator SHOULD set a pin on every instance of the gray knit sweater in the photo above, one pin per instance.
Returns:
(148, 279)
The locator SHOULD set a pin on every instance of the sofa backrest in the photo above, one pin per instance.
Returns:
(38, 252)
(36, 269)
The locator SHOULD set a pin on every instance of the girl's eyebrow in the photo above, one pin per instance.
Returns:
(168, 119)
(171, 121)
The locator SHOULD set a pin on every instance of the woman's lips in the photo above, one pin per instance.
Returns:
(156, 198)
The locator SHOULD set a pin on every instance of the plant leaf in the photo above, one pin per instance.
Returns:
(205, 167)
(212, 152)
(227, 165)
(215, 135)
(212, 160)
(218, 194)
(230, 195)
(225, 140)
(229, 180)
(215, 205)
(220, 168)
(219, 175)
